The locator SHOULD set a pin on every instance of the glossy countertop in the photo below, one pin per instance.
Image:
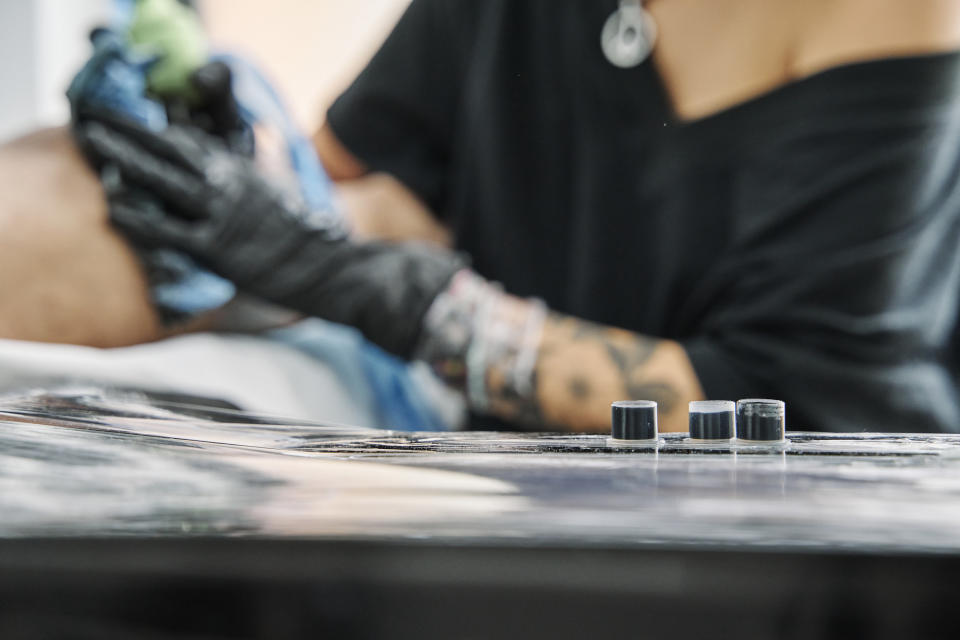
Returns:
(94, 463)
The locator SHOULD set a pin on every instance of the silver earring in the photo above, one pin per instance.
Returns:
(628, 35)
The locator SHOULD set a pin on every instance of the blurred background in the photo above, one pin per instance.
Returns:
(310, 50)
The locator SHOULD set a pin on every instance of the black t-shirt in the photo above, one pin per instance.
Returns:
(801, 245)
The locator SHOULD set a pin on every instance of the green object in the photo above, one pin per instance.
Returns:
(172, 32)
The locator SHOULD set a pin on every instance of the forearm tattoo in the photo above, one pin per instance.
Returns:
(512, 359)
(627, 356)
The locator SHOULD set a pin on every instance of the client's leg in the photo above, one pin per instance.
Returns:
(65, 275)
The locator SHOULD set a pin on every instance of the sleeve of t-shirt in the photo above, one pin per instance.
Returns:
(841, 285)
(397, 116)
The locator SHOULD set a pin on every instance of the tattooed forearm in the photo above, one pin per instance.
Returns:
(553, 371)
(631, 360)
(583, 367)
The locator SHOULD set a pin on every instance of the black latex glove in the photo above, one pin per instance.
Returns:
(220, 210)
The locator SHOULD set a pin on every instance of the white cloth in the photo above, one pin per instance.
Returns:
(258, 375)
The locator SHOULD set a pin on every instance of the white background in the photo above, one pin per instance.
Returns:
(310, 48)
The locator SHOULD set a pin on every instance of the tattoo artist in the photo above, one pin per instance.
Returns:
(773, 233)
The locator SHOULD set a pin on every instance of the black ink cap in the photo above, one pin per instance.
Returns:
(634, 420)
(760, 420)
(712, 419)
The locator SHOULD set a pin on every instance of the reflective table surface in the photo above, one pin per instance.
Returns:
(126, 464)
(121, 484)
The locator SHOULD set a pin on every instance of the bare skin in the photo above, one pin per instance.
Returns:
(367, 197)
(754, 46)
(66, 276)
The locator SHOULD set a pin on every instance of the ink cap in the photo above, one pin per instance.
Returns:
(761, 420)
(634, 421)
(712, 420)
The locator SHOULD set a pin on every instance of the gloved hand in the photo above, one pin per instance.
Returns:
(213, 108)
(219, 209)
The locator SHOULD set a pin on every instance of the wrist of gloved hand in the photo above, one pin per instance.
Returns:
(484, 342)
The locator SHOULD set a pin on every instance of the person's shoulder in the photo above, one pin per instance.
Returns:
(838, 32)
